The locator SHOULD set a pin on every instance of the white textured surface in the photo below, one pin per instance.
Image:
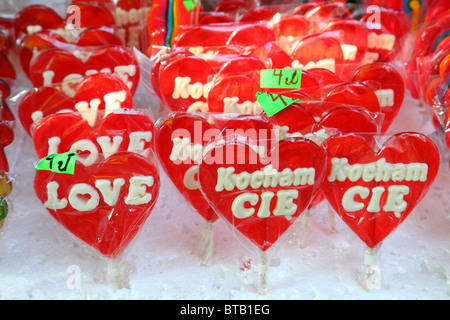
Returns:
(38, 256)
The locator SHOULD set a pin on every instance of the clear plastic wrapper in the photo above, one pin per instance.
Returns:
(90, 95)
(340, 47)
(214, 83)
(65, 69)
(373, 188)
(106, 203)
(426, 56)
(120, 130)
(100, 182)
(261, 194)
(123, 22)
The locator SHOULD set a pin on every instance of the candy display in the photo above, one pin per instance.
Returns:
(279, 149)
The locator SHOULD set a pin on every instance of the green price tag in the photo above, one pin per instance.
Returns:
(281, 78)
(189, 4)
(273, 103)
(59, 163)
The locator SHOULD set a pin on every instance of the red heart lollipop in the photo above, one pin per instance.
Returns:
(97, 37)
(234, 94)
(387, 84)
(37, 42)
(251, 34)
(258, 14)
(275, 55)
(131, 16)
(184, 84)
(291, 26)
(310, 117)
(180, 141)
(385, 35)
(318, 51)
(234, 6)
(41, 102)
(303, 8)
(373, 191)
(206, 18)
(100, 91)
(106, 204)
(120, 131)
(243, 65)
(327, 79)
(354, 94)
(322, 14)
(56, 67)
(289, 29)
(259, 198)
(36, 18)
(354, 42)
(199, 38)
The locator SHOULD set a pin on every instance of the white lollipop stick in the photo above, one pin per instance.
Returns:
(372, 275)
(262, 271)
(208, 234)
(117, 272)
(306, 222)
(331, 218)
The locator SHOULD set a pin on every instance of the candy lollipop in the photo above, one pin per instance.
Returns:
(180, 142)
(261, 196)
(104, 204)
(374, 190)
(64, 69)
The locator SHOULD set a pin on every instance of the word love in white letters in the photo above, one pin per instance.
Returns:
(108, 145)
(379, 171)
(68, 82)
(84, 197)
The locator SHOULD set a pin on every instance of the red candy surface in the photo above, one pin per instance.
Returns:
(377, 201)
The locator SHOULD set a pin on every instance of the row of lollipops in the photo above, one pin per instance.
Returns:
(213, 70)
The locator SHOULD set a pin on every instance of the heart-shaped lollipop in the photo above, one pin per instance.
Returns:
(353, 38)
(40, 41)
(234, 94)
(373, 191)
(36, 18)
(385, 33)
(101, 91)
(319, 51)
(106, 204)
(354, 94)
(184, 83)
(63, 69)
(319, 120)
(179, 142)
(262, 197)
(119, 131)
(387, 83)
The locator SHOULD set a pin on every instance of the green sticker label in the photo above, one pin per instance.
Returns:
(281, 78)
(189, 4)
(59, 163)
(273, 103)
